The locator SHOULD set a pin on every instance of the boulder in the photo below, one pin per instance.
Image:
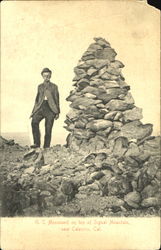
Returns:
(150, 202)
(99, 124)
(136, 130)
(83, 101)
(118, 105)
(120, 146)
(133, 114)
(133, 199)
(93, 90)
(102, 42)
(106, 53)
(119, 185)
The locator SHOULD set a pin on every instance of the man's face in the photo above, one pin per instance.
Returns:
(46, 76)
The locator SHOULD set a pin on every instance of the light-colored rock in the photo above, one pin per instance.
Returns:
(99, 124)
(89, 95)
(91, 71)
(84, 102)
(121, 146)
(133, 199)
(118, 105)
(29, 170)
(45, 169)
(133, 114)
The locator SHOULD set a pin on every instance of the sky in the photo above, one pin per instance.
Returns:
(55, 34)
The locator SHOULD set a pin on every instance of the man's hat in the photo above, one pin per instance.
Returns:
(46, 70)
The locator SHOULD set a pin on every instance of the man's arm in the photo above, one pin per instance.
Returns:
(56, 95)
(36, 101)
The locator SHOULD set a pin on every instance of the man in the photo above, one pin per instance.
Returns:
(46, 106)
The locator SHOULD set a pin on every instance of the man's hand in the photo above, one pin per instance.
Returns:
(57, 116)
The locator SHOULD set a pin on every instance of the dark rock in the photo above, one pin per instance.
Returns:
(102, 42)
(107, 53)
(119, 185)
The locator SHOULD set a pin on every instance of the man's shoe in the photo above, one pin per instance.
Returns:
(34, 146)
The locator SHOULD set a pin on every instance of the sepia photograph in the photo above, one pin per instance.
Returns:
(80, 124)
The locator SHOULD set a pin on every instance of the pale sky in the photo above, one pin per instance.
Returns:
(40, 34)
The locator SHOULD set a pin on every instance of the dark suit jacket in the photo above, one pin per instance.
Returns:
(52, 95)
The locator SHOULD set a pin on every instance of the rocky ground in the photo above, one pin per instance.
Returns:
(61, 182)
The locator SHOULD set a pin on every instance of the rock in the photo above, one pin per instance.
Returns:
(111, 84)
(80, 196)
(133, 199)
(82, 83)
(150, 202)
(152, 146)
(104, 132)
(119, 185)
(117, 64)
(83, 134)
(59, 199)
(102, 42)
(149, 191)
(113, 70)
(45, 169)
(120, 146)
(133, 150)
(106, 53)
(45, 193)
(80, 73)
(29, 154)
(70, 210)
(136, 130)
(40, 160)
(91, 71)
(97, 175)
(88, 95)
(133, 114)
(110, 115)
(80, 124)
(73, 114)
(107, 76)
(29, 170)
(68, 188)
(117, 125)
(99, 124)
(98, 63)
(118, 105)
(94, 46)
(84, 102)
(93, 90)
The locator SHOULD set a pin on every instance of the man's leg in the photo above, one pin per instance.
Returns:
(37, 117)
(49, 120)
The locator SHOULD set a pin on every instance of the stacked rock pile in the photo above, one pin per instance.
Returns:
(103, 113)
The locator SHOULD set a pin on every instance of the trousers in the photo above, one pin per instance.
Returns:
(44, 112)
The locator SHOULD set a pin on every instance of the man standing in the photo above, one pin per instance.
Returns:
(46, 106)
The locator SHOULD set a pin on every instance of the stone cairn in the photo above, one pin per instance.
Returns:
(103, 113)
